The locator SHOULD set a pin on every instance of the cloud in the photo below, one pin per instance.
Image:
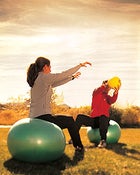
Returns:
(15, 11)
(29, 17)
(125, 1)
(51, 12)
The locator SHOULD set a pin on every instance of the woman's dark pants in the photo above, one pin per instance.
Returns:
(65, 122)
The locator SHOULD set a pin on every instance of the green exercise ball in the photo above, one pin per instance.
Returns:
(35, 140)
(113, 133)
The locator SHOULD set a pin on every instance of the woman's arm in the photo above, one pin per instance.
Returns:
(76, 75)
(65, 76)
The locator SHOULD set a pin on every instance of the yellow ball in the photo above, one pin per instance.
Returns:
(114, 83)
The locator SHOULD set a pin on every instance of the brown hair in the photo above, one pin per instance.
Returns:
(35, 68)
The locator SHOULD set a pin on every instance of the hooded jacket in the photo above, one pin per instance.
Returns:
(101, 102)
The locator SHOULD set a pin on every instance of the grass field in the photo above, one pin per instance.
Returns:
(122, 158)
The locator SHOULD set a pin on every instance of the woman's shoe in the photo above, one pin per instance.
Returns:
(79, 149)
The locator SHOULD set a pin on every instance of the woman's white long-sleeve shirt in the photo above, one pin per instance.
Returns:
(41, 92)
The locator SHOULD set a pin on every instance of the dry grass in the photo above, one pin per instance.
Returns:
(127, 117)
(10, 116)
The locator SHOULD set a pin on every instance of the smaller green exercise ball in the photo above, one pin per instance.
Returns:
(35, 140)
(113, 133)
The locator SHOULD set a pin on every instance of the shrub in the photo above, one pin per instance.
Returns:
(125, 117)
(116, 114)
(12, 112)
(8, 117)
(66, 110)
(131, 116)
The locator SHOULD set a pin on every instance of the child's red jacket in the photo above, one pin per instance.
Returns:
(101, 102)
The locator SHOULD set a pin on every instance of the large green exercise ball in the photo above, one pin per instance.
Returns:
(35, 140)
(113, 133)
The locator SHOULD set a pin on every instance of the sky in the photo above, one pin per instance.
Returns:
(68, 32)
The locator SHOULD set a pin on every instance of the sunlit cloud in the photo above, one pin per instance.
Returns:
(45, 13)
(124, 1)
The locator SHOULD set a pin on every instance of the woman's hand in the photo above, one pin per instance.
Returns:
(85, 64)
(76, 75)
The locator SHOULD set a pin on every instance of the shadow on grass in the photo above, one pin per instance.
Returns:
(121, 148)
(50, 168)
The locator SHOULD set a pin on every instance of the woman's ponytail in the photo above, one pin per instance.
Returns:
(32, 74)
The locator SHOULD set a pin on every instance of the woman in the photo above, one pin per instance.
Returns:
(41, 81)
